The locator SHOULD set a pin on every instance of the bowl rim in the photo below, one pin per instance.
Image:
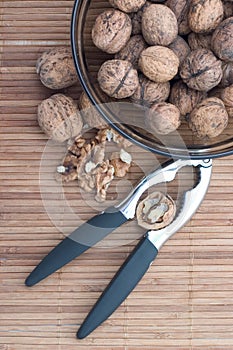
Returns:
(221, 150)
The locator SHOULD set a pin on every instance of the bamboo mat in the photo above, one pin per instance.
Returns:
(184, 302)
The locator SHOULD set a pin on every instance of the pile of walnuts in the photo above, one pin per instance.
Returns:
(170, 57)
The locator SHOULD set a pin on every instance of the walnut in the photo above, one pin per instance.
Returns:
(180, 47)
(159, 63)
(89, 113)
(184, 98)
(118, 78)
(136, 19)
(228, 9)
(56, 68)
(132, 50)
(163, 118)
(128, 6)
(111, 31)
(215, 92)
(198, 41)
(159, 25)
(59, 118)
(156, 211)
(201, 70)
(227, 74)
(104, 175)
(109, 135)
(222, 40)
(205, 15)
(149, 92)
(121, 161)
(180, 9)
(227, 98)
(209, 118)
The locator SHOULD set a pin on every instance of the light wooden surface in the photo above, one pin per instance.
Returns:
(185, 300)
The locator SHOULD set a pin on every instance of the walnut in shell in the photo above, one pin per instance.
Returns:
(136, 19)
(118, 78)
(180, 9)
(228, 9)
(205, 15)
(129, 5)
(158, 63)
(201, 70)
(159, 25)
(132, 50)
(149, 92)
(184, 98)
(227, 98)
(222, 40)
(163, 118)
(209, 118)
(59, 118)
(56, 68)
(156, 211)
(111, 31)
(89, 113)
(199, 41)
(180, 47)
(227, 74)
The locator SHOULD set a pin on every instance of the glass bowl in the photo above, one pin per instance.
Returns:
(129, 118)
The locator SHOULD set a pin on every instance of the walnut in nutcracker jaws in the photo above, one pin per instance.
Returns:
(118, 78)
(159, 25)
(158, 63)
(111, 31)
(222, 40)
(149, 92)
(180, 9)
(180, 47)
(128, 5)
(56, 68)
(89, 113)
(59, 118)
(201, 70)
(156, 211)
(163, 118)
(209, 118)
(132, 50)
(184, 98)
(205, 15)
(227, 98)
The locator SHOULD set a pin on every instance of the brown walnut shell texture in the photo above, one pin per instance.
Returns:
(136, 19)
(163, 118)
(205, 15)
(111, 31)
(227, 98)
(199, 41)
(180, 9)
(201, 70)
(59, 118)
(149, 92)
(209, 118)
(228, 9)
(89, 113)
(159, 25)
(56, 68)
(158, 63)
(180, 47)
(128, 5)
(118, 78)
(227, 74)
(132, 50)
(184, 98)
(222, 40)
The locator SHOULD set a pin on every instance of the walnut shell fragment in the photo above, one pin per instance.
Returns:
(149, 92)
(222, 40)
(59, 118)
(209, 118)
(156, 211)
(129, 5)
(205, 15)
(158, 63)
(201, 70)
(111, 31)
(227, 98)
(163, 118)
(89, 113)
(180, 9)
(118, 78)
(184, 98)
(132, 50)
(56, 68)
(159, 25)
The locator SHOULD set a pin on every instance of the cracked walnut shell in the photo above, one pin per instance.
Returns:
(158, 63)
(59, 118)
(156, 211)
(111, 31)
(222, 40)
(118, 78)
(209, 118)
(201, 70)
(159, 25)
(128, 5)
